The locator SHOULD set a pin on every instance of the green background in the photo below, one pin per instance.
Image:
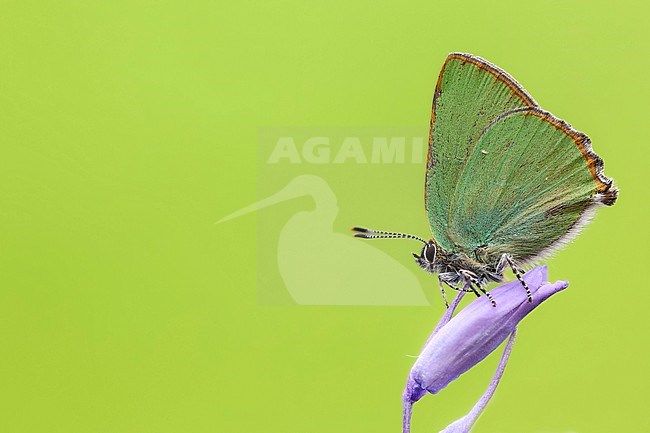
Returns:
(128, 128)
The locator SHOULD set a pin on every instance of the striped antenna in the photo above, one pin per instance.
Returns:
(378, 234)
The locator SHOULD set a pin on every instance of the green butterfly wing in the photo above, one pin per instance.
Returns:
(503, 175)
(528, 186)
(470, 94)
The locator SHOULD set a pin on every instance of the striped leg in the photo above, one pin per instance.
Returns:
(486, 293)
(448, 277)
(472, 280)
(517, 273)
(442, 291)
(478, 295)
(458, 289)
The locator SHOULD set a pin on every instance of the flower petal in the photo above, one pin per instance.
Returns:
(477, 331)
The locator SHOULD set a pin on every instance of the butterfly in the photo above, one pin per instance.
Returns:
(507, 183)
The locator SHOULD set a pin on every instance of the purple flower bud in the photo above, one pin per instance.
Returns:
(473, 334)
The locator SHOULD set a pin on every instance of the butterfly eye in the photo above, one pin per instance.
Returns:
(429, 252)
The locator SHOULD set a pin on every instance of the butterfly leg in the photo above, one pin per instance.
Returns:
(459, 289)
(507, 259)
(478, 295)
(471, 280)
(452, 277)
(486, 293)
(442, 291)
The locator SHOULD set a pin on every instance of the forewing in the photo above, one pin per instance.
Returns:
(527, 186)
(469, 95)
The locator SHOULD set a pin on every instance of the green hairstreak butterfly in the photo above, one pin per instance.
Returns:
(507, 183)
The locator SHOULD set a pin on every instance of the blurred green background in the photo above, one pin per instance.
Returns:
(129, 128)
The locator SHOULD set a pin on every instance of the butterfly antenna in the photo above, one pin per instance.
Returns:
(379, 234)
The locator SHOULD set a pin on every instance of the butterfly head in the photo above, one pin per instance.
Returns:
(427, 258)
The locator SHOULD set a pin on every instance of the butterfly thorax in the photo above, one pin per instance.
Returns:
(457, 267)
